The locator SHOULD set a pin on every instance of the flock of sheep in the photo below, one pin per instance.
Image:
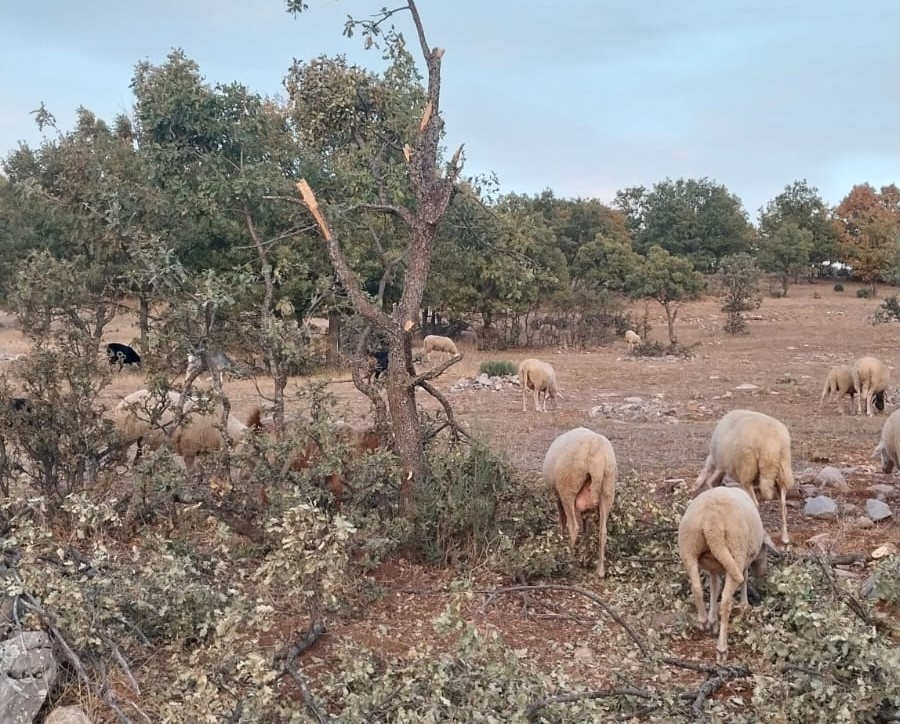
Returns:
(721, 531)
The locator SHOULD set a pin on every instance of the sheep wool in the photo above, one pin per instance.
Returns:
(870, 378)
(839, 384)
(722, 533)
(540, 377)
(752, 448)
(580, 468)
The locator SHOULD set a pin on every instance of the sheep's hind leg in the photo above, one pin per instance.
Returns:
(724, 613)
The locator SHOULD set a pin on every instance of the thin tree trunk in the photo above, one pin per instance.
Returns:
(144, 321)
(333, 340)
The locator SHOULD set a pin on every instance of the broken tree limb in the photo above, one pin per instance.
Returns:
(536, 706)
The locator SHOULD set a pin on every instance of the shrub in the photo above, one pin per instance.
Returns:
(838, 287)
(455, 508)
(864, 292)
(739, 278)
(497, 368)
(888, 311)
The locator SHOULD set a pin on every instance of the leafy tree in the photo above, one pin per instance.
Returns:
(695, 218)
(407, 184)
(605, 263)
(739, 281)
(868, 224)
(799, 205)
(668, 279)
(786, 251)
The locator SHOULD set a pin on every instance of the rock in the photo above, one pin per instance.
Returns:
(831, 477)
(583, 653)
(483, 379)
(810, 491)
(807, 475)
(863, 523)
(747, 386)
(888, 549)
(881, 491)
(634, 400)
(821, 507)
(28, 671)
(67, 715)
(878, 510)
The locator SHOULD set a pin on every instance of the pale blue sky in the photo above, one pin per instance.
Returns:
(584, 97)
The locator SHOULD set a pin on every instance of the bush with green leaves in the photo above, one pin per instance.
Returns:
(864, 292)
(497, 368)
(826, 659)
(838, 287)
(739, 280)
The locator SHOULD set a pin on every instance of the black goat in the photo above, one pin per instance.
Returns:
(122, 354)
(378, 363)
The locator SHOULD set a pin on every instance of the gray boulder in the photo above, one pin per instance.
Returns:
(820, 507)
(831, 477)
(28, 671)
(878, 510)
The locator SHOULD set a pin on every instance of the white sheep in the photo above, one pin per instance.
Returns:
(580, 468)
(889, 447)
(839, 384)
(541, 378)
(436, 343)
(632, 339)
(870, 378)
(722, 533)
(752, 448)
(202, 434)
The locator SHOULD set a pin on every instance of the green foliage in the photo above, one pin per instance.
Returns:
(694, 219)
(455, 509)
(786, 252)
(838, 287)
(739, 281)
(668, 279)
(497, 368)
(864, 292)
(888, 310)
(827, 664)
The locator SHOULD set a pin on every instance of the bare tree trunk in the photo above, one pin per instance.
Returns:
(333, 340)
(144, 321)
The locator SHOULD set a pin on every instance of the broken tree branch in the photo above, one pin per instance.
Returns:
(536, 706)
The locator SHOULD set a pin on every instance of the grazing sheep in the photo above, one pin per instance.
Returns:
(839, 384)
(722, 533)
(889, 447)
(752, 448)
(870, 378)
(121, 355)
(202, 435)
(541, 378)
(436, 343)
(580, 468)
(632, 339)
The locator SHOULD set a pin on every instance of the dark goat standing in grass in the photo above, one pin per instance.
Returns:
(121, 355)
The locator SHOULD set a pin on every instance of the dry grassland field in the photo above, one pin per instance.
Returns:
(778, 368)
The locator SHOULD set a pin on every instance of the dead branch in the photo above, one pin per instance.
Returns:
(101, 691)
(448, 411)
(849, 599)
(583, 592)
(434, 372)
(711, 686)
(313, 635)
(536, 706)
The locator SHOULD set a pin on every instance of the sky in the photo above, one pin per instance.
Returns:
(583, 97)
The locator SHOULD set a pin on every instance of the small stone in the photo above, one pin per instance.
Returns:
(888, 549)
(747, 386)
(878, 510)
(881, 489)
(831, 477)
(67, 715)
(807, 475)
(821, 507)
(634, 400)
(821, 542)
(810, 491)
(583, 653)
(863, 523)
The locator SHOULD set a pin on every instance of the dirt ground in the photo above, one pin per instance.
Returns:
(792, 342)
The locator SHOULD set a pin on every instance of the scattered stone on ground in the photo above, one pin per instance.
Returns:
(878, 510)
(831, 477)
(821, 507)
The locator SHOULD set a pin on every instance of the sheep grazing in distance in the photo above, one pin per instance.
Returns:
(889, 447)
(121, 355)
(202, 435)
(752, 448)
(838, 385)
(580, 468)
(722, 533)
(632, 339)
(541, 378)
(870, 378)
(436, 343)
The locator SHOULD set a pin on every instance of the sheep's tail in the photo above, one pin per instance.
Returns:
(715, 539)
(603, 474)
(825, 391)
